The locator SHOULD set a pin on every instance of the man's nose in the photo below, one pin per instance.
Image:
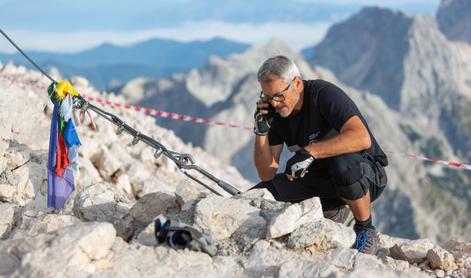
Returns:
(274, 103)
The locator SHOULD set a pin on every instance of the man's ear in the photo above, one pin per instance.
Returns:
(298, 82)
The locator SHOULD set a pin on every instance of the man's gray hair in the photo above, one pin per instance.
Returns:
(280, 66)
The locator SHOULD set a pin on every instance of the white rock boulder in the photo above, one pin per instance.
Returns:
(292, 217)
(220, 217)
(323, 234)
(7, 214)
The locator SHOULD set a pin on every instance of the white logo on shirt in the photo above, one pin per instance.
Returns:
(312, 137)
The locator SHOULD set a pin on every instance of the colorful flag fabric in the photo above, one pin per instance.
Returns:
(62, 158)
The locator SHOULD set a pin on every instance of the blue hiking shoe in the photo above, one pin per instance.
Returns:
(367, 241)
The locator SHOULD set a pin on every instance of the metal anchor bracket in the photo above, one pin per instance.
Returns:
(186, 158)
(120, 128)
(84, 107)
(158, 153)
(136, 139)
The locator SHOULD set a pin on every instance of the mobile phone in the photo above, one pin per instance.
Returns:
(271, 109)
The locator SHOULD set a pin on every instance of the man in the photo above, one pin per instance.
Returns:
(335, 155)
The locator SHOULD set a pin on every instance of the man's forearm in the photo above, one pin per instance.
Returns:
(264, 159)
(353, 137)
(348, 142)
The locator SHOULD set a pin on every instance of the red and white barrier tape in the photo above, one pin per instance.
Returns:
(186, 118)
(163, 114)
(452, 164)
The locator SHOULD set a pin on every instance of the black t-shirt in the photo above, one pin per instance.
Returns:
(325, 110)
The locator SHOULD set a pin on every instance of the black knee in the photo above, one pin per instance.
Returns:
(351, 174)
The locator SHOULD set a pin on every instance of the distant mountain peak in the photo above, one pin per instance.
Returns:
(275, 46)
(379, 11)
(454, 19)
(355, 50)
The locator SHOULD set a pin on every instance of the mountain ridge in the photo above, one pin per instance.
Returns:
(153, 58)
(428, 67)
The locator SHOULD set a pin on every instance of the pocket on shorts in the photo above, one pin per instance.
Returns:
(382, 178)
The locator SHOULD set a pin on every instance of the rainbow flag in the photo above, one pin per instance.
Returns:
(63, 146)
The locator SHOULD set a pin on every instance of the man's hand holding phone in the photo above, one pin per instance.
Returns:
(263, 117)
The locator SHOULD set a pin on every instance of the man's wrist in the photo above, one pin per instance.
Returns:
(309, 152)
(258, 133)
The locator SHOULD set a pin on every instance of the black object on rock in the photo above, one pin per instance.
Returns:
(180, 236)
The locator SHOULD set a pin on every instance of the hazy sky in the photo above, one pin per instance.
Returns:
(68, 26)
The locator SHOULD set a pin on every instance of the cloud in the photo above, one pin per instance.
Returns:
(296, 35)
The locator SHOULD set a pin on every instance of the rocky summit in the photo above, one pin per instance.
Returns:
(106, 228)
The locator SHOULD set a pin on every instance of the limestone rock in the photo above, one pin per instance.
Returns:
(386, 241)
(47, 223)
(256, 194)
(8, 265)
(411, 251)
(285, 222)
(371, 266)
(7, 177)
(342, 258)
(264, 260)
(458, 249)
(16, 159)
(440, 273)
(87, 174)
(100, 202)
(143, 261)
(399, 265)
(106, 162)
(323, 234)
(3, 147)
(147, 208)
(293, 217)
(306, 268)
(441, 259)
(7, 192)
(220, 217)
(188, 192)
(7, 213)
(269, 209)
(123, 184)
(150, 186)
(25, 188)
(147, 236)
(81, 247)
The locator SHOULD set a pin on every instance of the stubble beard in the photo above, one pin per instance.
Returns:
(285, 114)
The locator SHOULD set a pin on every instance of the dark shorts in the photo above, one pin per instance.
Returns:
(348, 176)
